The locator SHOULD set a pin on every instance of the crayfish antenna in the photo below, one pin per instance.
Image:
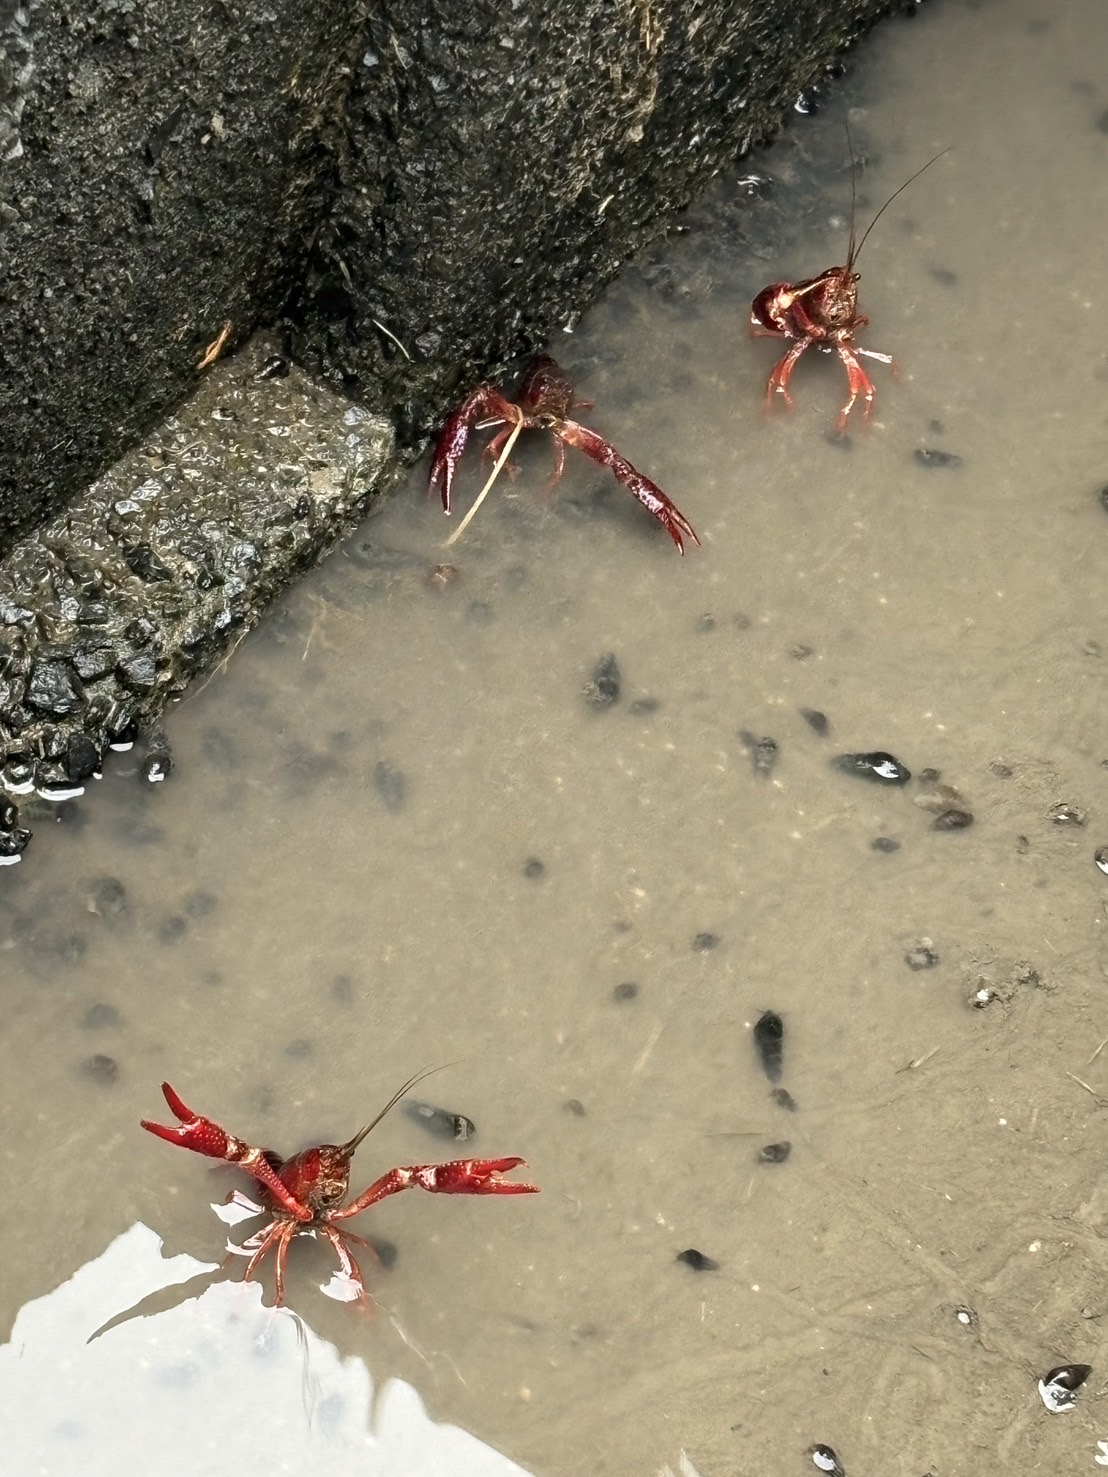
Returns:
(855, 252)
(348, 1148)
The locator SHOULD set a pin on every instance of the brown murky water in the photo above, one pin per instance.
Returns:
(338, 885)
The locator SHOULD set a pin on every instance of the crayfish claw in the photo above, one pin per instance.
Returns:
(477, 1177)
(479, 405)
(177, 1105)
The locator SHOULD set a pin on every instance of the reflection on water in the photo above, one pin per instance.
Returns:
(150, 1394)
(401, 835)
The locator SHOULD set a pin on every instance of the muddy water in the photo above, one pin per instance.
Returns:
(398, 835)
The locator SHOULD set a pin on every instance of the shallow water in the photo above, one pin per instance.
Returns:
(298, 929)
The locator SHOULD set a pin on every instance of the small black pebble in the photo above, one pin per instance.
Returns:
(884, 843)
(775, 1153)
(784, 1099)
(102, 1069)
(13, 843)
(574, 1106)
(921, 956)
(532, 867)
(697, 1260)
(937, 459)
(626, 991)
(952, 820)
(878, 766)
(99, 1017)
(769, 1041)
(826, 1459)
(603, 687)
(1100, 856)
(704, 943)
(818, 722)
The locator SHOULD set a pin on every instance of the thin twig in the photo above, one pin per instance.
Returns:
(483, 494)
(1101, 1102)
(916, 1062)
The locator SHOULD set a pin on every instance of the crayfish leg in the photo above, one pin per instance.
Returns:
(663, 508)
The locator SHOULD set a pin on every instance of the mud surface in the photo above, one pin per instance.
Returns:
(466, 861)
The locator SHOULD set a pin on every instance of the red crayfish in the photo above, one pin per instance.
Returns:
(823, 311)
(305, 1193)
(544, 403)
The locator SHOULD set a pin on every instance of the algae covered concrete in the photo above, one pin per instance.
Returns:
(158, 569)
(161, 173)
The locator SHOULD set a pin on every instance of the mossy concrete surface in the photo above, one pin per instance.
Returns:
(162, 165)
(152, 574)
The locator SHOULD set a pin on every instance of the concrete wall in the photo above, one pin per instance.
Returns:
(458, 179)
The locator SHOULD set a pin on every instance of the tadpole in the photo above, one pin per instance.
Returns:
(769, 1038)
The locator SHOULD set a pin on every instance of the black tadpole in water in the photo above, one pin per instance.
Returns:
(877, 766)
(769, 1038)
(439, 1121)
(602, 688)
(697, 1260)
(763, 752)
